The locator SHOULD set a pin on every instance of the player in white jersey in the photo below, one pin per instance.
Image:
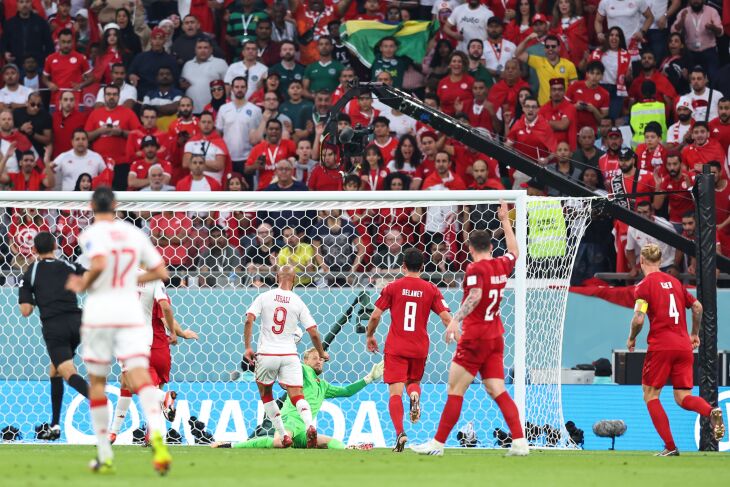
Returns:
(112, 323)
(162, 332)
(281, 312)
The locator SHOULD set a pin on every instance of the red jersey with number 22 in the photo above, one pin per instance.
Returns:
(667, 299)
(410, 300)
(489, 275)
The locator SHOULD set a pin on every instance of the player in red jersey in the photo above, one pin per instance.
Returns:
(410, 300)
(480, 348)
(669, 353)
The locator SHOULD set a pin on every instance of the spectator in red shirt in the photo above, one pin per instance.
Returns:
(651, 154)
(503, 94)
(326, 176)
(264, 156)
(720, 126)
(456, 85)
(532, 136)
(108, 128)
(169, 232)
(560, 114)
(361, 111)
(722, 206)
(312, 18)
(480, 111)
(149, 127)
(608, 162)
(139, 170)
(66, 69)
(197, 180)
(676, 179)
(374, 171)
(665, 92)
(10, 135)
(65, 121)
(590, 99)
(383, 140)
(703, 149)
(27, 178)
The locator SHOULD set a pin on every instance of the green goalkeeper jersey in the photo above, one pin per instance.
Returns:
(316, 390)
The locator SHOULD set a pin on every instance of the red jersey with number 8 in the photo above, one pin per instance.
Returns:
(667, 301)
(489, 275)
(410, 301)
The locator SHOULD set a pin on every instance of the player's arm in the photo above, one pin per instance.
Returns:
(373, 323)
(350, 390)
(696, 322)
(80, 284)
(159, 272)
(637, 323)
(247, 336)
(317, 342)
(26, 302)
(509, 233)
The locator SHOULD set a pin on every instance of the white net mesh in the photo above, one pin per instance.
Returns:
(222, 253)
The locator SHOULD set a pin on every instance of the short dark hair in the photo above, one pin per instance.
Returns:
(413, 259)
(351, 178)
(381, 119)
(240, 78)
(65, 32)
(149, 108)
(480, 240)
(701, 123)
(119, 65)
(643, 203)
(596, 66)
(111, 87)
(653, 127)
(27, 153)
(552, 37)
(206, 113)
(648, 88)
(203, 40)
(44, 242)
(723, 99)
(102, 201)
(79, 131)
(689, 214)
(715, 164)
(273, 120)
(476, 39)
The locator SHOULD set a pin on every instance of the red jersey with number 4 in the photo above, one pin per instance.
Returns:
(410, 301)
(667, 299)
(491, 277)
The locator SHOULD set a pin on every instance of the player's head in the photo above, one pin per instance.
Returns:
(311, 357)
(480, 242)
(651, 255)
(285, 277)
(413, 260)
(44, 243)
(103, 201)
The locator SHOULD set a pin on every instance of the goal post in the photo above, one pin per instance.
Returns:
(223, 248)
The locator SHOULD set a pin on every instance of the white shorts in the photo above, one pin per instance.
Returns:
(286, 369)
(100, 345)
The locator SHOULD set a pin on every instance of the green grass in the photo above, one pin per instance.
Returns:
(31, 465)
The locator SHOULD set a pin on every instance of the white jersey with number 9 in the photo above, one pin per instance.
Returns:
(281, 312)
(113, 299)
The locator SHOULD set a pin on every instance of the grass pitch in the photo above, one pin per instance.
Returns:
(33, 465)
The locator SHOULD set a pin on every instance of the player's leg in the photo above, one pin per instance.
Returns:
(416, 367)
(65, 364)
(266, 372)
(98, 346)
(395, 375)
(121, 408)
(160, 365)
(682, 380)
(290, 377)
(56, 401)
(327, 442)
(653, 377)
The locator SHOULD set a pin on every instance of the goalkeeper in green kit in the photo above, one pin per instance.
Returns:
(316, 391)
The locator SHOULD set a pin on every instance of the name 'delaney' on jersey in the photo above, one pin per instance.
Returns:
(411, 293)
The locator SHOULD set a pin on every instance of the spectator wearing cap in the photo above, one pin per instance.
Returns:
(237, 120)
(663, 89)
(148, 117)
(497, 49)
(550, 67)
(534, 44)
(627, 16)
(264, 157)
(699, 96)
(531, 135)
(248, 67)
(701, 26)
(145, 66)
(468, 21)
(185, 44)
(165, 97)
(218, 97)
(26, 33)
(608, 163)
(324, 73)
(560, 114)
(66, 69)
(591, 101)
(679, 134)
(13, 94)
(703, 149)
(197, 180)
(651, 155)
(61, 19)
(85, 32)
(27, 178)
(647, 110)
(127, 92)
(64, 121)
(139, 170)
(720, 126)
(199, 72)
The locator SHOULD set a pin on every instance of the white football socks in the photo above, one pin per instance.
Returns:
(100, 420)
(120, 412)
(305, 411)
(148, 397)
(274, 415)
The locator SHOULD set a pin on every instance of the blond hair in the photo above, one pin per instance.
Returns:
(651, 253)
(309, 352)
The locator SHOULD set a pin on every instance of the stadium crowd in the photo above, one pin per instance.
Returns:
(624, 96)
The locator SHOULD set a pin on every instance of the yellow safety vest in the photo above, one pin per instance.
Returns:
(642, 114)
(547, 234)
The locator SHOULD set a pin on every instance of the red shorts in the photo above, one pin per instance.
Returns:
(403, 369)
(160, 362)
(484, 356)
(661, 365)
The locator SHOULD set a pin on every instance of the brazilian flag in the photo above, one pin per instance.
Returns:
(361, 36)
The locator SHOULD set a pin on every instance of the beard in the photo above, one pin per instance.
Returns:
(494, 35)
(696, 8)
(626, 169)
(184, 113)
(684, 117)
(673, 174)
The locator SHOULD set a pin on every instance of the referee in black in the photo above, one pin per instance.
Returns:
(44, 286)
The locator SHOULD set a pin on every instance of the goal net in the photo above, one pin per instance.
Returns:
(222, 250)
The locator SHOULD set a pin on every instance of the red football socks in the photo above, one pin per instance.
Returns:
(415, 387)
(661, 423)
(511, 415)
(452, 411)
(696, 404)
(395, 408)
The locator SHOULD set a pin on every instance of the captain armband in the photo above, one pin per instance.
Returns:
(641, 306)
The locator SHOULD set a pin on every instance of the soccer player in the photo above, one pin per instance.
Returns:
(316, 390)
(480, 348)
(160, 319)
(281, 311)
(410, 300)
(669, 354)
(43, 286)
(113, 322)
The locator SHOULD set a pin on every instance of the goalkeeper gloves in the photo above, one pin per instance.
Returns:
(375, 373)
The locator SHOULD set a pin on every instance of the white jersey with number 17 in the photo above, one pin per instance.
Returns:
(113, 300)
(281, 312)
